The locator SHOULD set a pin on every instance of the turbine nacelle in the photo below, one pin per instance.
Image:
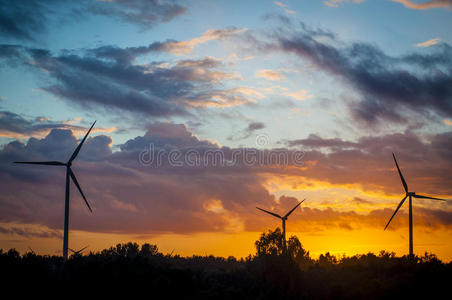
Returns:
(284, 218)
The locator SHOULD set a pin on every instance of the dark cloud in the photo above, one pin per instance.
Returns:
(23, 19)
(253, 126)
(30, 231)
(27, 20)
(108, 79)
(145, 13)
(120, 188)
(129, 54)
(130, 196)
(361, 201)
(126, 55)
(315, 141)
(368, 162)
(248, 131)
(165, 134)
(390, 87)
(14, 125)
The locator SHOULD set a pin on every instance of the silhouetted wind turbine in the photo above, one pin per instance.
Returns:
(409, 195)
(69, 174)
(78, 252)
(284, 218)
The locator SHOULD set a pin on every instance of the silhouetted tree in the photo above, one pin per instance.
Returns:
(270, 243)
(296, 251)
(272, 274)
(149, 250)
(327, 259)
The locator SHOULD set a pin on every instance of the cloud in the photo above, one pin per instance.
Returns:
(30, 231)
(428, 43)
(129, 54)
(109, 79)
(300, 95)
(23, 20)
(339, 161)
(28, 20)
(360, 201)
(185, 47)
(145, 13)
(255, 126)
(314, 141)
(425, 4)
(389, 88)
(285, 7)
(122, 196)
(131, 195)
(336, 3)
(248, 131)
(13, 125)
(269, 74)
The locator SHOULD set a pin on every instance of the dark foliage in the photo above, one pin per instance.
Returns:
(270, 274)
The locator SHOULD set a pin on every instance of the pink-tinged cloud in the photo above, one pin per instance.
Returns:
(447, 122)
(300, 95)
(132, 194)
(184, 47)
(428, 43)
(269, 75)
(425, 4)
(285, 7)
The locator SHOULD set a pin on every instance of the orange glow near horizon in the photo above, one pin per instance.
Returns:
(336, 241)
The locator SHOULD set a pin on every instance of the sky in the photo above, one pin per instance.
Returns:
(207, 109)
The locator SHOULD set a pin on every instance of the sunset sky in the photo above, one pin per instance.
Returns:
(298, 99)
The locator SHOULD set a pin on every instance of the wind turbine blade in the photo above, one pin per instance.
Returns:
(397, 209)
(268, 212)
(425, 197)
(77, 150)
(79, 188)
(400, 173)
(73, 251)
(294, 208)
(46, 163)
(79, 251)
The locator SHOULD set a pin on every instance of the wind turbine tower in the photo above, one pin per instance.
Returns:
(69, 175)
(408, 195)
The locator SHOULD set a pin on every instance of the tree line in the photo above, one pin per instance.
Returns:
(274, 272)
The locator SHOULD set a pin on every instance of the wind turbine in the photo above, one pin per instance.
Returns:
(69, 174)
(78, 252)
(284, 218)
(31, 251)
(410, 195)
